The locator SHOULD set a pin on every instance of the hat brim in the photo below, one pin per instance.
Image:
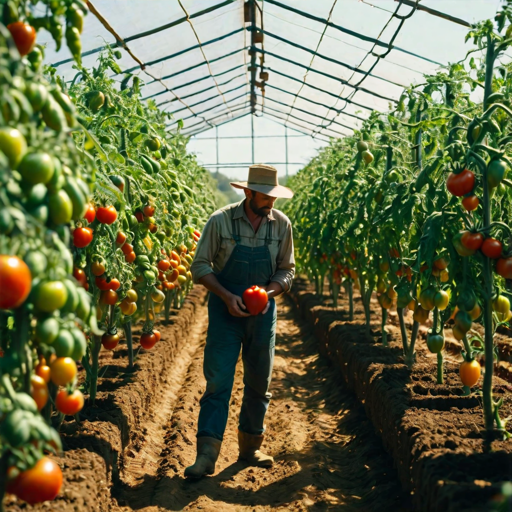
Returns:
(269, 190)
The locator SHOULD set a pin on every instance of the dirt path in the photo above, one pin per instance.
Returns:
(327, 455)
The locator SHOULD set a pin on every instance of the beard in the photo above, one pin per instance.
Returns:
(262, 212)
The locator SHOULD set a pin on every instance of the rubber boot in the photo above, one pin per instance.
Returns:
(208, 449)
(249, 446)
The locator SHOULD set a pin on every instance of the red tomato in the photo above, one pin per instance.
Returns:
(504, 267)
(97, 268)
(106, 214)
(109, 297)
(197, 233)
(492, 248)
(121, 238)
(90, 213)
(255, 298)
(149, 210)
(130, 257)
(69, 404)
(43, 371)
(127, 248)
(470, 203)
(157, 334)
(39, 391)
(110, 341)
(139, 216)
(148, 340)
(164, 265)
(102, 284)
(472, 241)
(24, 36)
(80, 276)
(460, 184)
(15, 281)
(82, 237)
(39, 483)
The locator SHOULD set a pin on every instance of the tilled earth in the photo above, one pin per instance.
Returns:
(328, 457)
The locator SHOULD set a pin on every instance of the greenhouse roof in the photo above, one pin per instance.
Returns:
(317, 67)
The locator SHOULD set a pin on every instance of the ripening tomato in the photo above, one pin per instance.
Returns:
(460, 184)
(106, 214)
(24, 36)
(504, 267)
(149, 210)
(114, 284)
(90, 213)
(164, 265)
(42, 482)
(82, 237)
(43, 371)
(492, 248)
(97, 268)
(80, 276)
(385, 301)
(469, 372)
(130, 257)
(120, 238)
(175, 256)
(420, 315)
(427, 297)
(157, 334)
(63, 371)
(39, 391)
(110, 340)
(148, 340)
(69, 404)
(255, 299)
(472, 241)
(109, 297)
(470, 203)
(441, 300)
(15, 281)
(127, 248)
(131, 295)
(441, 263)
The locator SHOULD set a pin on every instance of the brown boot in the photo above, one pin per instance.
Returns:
(249, 446)
(208, 449)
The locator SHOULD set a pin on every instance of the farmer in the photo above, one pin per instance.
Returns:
(243, 244)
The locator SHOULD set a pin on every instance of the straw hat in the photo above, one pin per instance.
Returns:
(263, 178)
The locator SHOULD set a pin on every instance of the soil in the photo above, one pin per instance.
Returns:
(434, 434)
(130, 449)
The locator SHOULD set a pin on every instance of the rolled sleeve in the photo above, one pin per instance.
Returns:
(206, 251)
(285, 269)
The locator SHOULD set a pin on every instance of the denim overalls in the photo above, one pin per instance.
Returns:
(247, 266)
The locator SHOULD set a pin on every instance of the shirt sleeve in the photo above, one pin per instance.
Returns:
(285, 269)
(206, 250)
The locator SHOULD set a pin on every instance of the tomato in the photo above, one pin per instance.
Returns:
(69, 404)
(367, 157)
(441, 263)
(255, 298)
(109, 297)
(492, 248)
(120, 238)
(126, 306)
(469, 372)
(441, 299)
(63, 371)
(153, 144)
(60, 207)
(501, 305)
(427, 298)
(110, 340)
(148, 340)
(168, 286)
(463, 321)
(460, 184)
(458, 334)
(496, 172)
(475, 312)
(149, 210)
(461, 249)
(157, 334)
(472, 241)
(131, 295)
(420, 315)
(130, 257)
(50, 295)
(182, 270)
(114, 284)
(97, 268)
(39, 391)
(175, 256)
(444, 276)
(13, 145)
(102, 284)
(127, 249)
(43, 370)
(82, 237)
(164, 265)
(37, 168)
(15, 281)
(90, 213)
(139, 216)
(106, 214)
(174, 264)
(24, 36)
(80, 276)
(118, 181)
(504, 267)
(40, 483)
(470, 203)
(435, 343)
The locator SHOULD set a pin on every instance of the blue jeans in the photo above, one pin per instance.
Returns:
(227, 334)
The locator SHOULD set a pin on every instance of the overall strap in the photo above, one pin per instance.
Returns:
(235, 227)
(268, 236)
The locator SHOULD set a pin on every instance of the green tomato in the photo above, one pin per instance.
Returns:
(73, 298)
(47, 330)
(37, 95)
(496, 172)
(463, 321)
(50, 295)
(64, 344)
(37, 168)
(36, 262)
(435, 343)
(13, 145)
(80, 344)
(61, 207)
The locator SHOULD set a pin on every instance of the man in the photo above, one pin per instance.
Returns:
(242, 245)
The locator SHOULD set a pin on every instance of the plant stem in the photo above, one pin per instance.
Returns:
(410, 358)
(383, 330)
(405, 340)
(440, 360)
(467, 346)
(127, 326)
(350, 301)
(95, 353)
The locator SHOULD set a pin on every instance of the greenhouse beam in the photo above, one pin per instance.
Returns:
(439, 14)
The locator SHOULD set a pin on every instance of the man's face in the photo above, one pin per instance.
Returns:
(260, 203)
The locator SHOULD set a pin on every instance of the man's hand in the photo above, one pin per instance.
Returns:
(235, 305)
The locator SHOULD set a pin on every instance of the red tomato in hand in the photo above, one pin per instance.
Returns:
(24, 36)
(39, 483)
(460, 184)
(106, 214)
(15, 281)
(82, 237)
(69, 404)
(255, 299)
(492, 248)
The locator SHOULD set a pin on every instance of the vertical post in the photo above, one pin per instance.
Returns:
(252, 52)
(217, 150)
(252, 136)
(286, 149)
